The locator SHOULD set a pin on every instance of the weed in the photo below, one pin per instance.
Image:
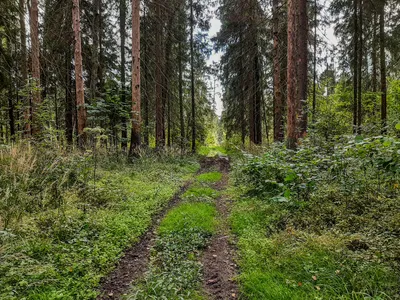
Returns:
(211, 177)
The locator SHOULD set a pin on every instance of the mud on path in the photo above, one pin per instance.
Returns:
(133, 264)
(219, 268)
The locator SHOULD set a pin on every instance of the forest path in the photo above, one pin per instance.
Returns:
(219, 269)
(134, 263)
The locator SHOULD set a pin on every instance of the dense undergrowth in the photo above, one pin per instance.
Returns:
(320, 223)
(65, 218)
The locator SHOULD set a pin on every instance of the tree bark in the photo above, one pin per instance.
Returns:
(192, 78)
(303, 65)
(136, 115)
(24, 67)
(382, 42)
(360, 62)
(160, 141)
(314, 103)
(122, 32)
(36, 100)
(355, 68)
(278, 50)
(292, 93)
(80, 93)
(181, 117)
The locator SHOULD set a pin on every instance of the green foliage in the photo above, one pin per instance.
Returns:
(62, 251)
(329, 212)
(175, 271)
(211, 177)
(196, 192)
(189, 215)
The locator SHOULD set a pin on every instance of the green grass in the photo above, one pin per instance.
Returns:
(196, 192)
(279, 262)
(175, 271)
(63, 253)
(211, 151)
(211, 177)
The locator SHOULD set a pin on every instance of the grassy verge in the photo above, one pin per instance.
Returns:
(278, 261)
(63, 252)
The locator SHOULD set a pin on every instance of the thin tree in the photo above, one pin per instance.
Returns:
(359, 72)
(355, 67)
(277, 75)
(24, 66)
(160, 141)
(192, 78)
(36, 99)
(383, 68)
(302, 67)
(314, 101)
(80, 94)
(136, 116)
(122, 33)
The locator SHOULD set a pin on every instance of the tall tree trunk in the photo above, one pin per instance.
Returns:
(181, 117)
(292, 92)
(355, 67)
(160, 142)
(144, 62)
(360, 62)
(24, 67)
(122, 33)
(303, 64)
(257, 100)
(192, 78)
(36, 100)
(374, 57)
(136, 115)
(383, 68)
(80, 93)
(69, 99)
(168, 74)
(277, 77)
(96, 4)
(314, 102)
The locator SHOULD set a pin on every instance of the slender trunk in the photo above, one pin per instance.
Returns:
(160, 142)
(167, 76)
(278, 102)
(192, 78)
(374, 56)
(80, 94)
(145, 83)
(69, 100)
(242, 94)
(314, 103)
(36, 100)
(24, 67)
(122, 33)
(257, 106)
(292, 94)
(383, 69)
(136, 116)
(95, 49)
(360, 62)
(303, 65)
(11, 112)
(181, 118)
(355, 68)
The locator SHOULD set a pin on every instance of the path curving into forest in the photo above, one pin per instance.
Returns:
(218, 267)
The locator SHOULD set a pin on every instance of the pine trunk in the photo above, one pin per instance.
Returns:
(277, 76)
(383, 69)
(80, 93)
(355, 67)
(292, 93)
(360, 63)
(36, 99)
(303, 65)
(122, 32)
(136, 116)
(192, 78)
